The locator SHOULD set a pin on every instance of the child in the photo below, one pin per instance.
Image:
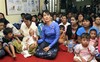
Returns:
(84, 52)
(7, 42)
(62, 39)
(93, 37)
(29, 44)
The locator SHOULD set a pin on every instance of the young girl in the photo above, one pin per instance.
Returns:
(29, 44)
(84, 52)
(7, 42)
(93, 37)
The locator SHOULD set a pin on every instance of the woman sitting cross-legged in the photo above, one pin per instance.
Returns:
(48, 44)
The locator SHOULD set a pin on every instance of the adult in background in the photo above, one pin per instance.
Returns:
(48, 44)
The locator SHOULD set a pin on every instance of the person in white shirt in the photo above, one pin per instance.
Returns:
(27, 25)
(29, 44)
(64, 22)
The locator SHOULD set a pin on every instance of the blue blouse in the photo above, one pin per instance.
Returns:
(50, 34)
(82, 30)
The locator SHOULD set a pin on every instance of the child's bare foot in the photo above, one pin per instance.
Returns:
(14, 57)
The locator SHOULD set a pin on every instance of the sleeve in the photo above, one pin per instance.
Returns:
(57, 31)
(79, 32)
(39, 29)
(22, 28)
(15, 31)
(42, 35)
(92, 50)
(77, 48)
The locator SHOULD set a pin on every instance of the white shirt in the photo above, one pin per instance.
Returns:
(84, 52)
(25, 30)
(15, 31)
(65, 25)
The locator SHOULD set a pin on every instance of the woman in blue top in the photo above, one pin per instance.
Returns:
(48, 44)
(87, 26)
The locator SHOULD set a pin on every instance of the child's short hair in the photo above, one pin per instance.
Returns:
(93, 30)
(62, 26)
(7, 30)
(85, 35)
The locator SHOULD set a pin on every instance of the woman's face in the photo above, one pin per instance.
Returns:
(27, 22)
(1, 16)
(80, 17)
(64, 19)
(46, 17)
(73, 21)
(86, 23)
(97, 21)
(1, 26)
(33, 19)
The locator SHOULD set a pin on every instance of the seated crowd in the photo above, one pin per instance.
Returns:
(44, 35)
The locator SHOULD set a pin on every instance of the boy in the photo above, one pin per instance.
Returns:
(7, 42)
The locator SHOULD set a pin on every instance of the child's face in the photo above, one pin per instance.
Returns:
(61, 30)
(93, 34)
(1, 26)
(85, 42)
(31, 32)
(10, 35)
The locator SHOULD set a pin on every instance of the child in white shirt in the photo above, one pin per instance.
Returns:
(29, 42)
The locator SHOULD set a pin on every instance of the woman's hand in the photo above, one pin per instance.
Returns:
(46, 49)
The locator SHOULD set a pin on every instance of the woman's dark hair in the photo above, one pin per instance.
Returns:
(64, 15)
(96, 17)
(28, 17)
(7, 30)
(39, 14)
(79, 14)
(4, 19)
(35, 16)
(89, 19)
(2, 14)
(47, 12)
(22, 14)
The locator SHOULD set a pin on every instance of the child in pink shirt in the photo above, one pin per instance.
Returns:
(93, 37)
(84, 52)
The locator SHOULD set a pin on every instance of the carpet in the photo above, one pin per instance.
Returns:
(61, 57)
